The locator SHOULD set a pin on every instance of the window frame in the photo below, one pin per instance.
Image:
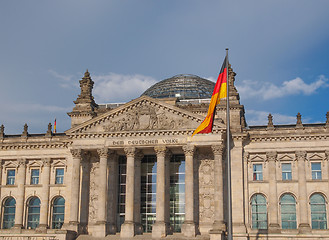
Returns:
(258, 222)
(35, 178)
(6, 214)
(285, 173)
(59, 176)
(317, 173)
(256, 174)
(53, 214)
(10, 177)
(289, 221)
(29, 213)
(324, 203)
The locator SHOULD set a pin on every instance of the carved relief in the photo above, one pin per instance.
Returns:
(145, 118)
(206, 188)
(93, 196)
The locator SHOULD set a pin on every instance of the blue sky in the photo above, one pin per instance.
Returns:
(279, 50)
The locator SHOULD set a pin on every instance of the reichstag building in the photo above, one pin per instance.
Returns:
(133, 171)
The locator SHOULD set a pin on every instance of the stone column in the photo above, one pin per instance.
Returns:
(273, 226)
(189, 228)
(161, 226)
(304, 225)
(45, 178)
(20, 194)
(102, 193)
(128, 227)
(112, 202)
(75, 187)
(219, 225)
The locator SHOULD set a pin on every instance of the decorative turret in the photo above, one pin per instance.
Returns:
(237, 114)
(49, 132)
(299, 123)
(2, 131)
(270, 122)
(85, 105)
(25, 132)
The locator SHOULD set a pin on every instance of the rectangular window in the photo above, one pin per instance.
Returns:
(34, 176)
(59, 177)
(286, 171)
(10, 177)
(316, 171)
(257, 172)
(148, 191)
(177, 192)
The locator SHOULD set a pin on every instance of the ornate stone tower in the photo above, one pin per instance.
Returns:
(85, 105)
(237, 114)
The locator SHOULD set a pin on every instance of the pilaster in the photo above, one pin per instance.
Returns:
(304, 225)
(273, 226)
(21, 175)
(45, 177)
(189, 228)
(75, 187)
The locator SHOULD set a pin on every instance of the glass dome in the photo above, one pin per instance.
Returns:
(183, 86)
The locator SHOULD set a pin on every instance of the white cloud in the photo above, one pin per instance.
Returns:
(266, 91)
(115, 87)
(66, 81)
(255, 117)
(33, 107)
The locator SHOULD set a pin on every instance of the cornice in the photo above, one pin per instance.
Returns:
(138, 134)
(34, 145)
(288, 137)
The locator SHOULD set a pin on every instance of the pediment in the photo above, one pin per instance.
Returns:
(257, 158)
(140, 115)
(286, 157)
(315, 156)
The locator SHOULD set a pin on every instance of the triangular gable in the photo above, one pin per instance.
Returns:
(257, 158)
(286, 157)
(315, 156)
(142, 114)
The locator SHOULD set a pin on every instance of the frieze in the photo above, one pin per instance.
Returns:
(146, 118)
(165, 141)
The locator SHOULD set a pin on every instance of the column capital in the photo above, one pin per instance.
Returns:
(161, 151)
(76, 153)
(189, 150)
(301, 155)
(217, 149)
(271, 156)
(21, 162)
(46, 162)
(103, 152)
(130, 151)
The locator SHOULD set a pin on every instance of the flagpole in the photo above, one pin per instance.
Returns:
(229, 200)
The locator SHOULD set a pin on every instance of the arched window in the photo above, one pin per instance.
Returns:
(58, 213)
(318, 212)
(288, 212)
(258, 212)
(9, 209)
(33, 215)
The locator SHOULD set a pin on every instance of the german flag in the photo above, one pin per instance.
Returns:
(220, 91)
